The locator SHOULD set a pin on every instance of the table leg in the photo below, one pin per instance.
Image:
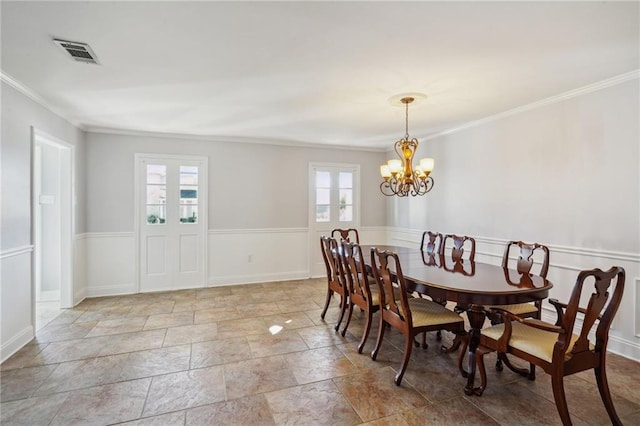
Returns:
(476, 317)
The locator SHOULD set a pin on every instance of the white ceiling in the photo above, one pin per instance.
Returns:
(311, 72)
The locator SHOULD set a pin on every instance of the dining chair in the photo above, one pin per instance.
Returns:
(430, 246)
(349, 235)
(361, 294)
(455, 260)
(335, 276)
(431, 242)
(523, 265)
(458, 244)
(409, 315)
(556, 348)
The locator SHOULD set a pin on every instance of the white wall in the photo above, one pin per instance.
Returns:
(565, 174)
(19, 114)
(258, 200)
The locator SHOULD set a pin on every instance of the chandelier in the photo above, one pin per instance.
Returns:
(401, 178)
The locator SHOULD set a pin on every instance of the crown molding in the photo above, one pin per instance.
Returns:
(603, 84)
(228, 139)
(29, 93)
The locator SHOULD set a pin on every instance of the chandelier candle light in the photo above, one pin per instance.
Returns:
(401, 178)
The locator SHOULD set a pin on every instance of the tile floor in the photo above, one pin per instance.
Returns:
(261, 355)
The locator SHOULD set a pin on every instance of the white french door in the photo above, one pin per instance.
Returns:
(334, 202)
(171, 217)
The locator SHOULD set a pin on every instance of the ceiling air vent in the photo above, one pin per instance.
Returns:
(80, 52)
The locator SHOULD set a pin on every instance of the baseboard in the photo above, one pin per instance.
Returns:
(79, 296)
(257, 278)
(14, 344)
(110, 290)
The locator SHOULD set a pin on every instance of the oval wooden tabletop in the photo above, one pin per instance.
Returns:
(467, 281)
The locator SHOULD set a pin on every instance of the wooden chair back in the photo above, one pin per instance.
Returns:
(349, 235)
(602, 305)
(356, 275)
(331, 259)
(382, 264)
(431, 242)
(459, 242)
(525, 260)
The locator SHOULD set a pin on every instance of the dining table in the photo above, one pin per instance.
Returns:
(470, 284)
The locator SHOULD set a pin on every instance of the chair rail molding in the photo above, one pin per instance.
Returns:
(16, 251)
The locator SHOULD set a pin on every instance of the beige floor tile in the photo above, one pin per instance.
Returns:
(66, 316)
(195, 305)
(242, 327)
(393, 420)
(388, 356)
(110, 378)
(281, 342)
(32, 411)
(319, 364)
(514, 404)
(191, 334)
(22, 357)
(185, 389)
(435, 376)
(256, 376)
(230, 300)
(289, 321)
(169, 320)
(171, 419)
(131, 342)
(112, 312)
(103, 405)
(365, 391)
(448, 412)
(151, 308)
(250, 410)
(68, 350)
(117, 326)
(322, 335)
(253, 310)
(205, 293)
(23, 382)
(318, 403)
(583, 397)
(298, 305)
(57, 332)
(216, 314)
(217, 352)
(83, 374)
(155, 362)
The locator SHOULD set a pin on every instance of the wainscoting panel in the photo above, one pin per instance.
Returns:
(110, 263)
(239, 256)
(17, 328)
(565, 263)
(80, 280)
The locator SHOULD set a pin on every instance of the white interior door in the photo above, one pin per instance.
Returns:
(172, 222)
(334, 202)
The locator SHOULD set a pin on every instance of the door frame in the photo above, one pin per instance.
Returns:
(138, 157)
(312, 243)
(67, 217)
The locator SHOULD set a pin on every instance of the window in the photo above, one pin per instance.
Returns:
(188, 194)
(156, 194)
(335, 192)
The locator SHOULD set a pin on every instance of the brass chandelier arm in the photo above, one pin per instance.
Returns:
(398, 187)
